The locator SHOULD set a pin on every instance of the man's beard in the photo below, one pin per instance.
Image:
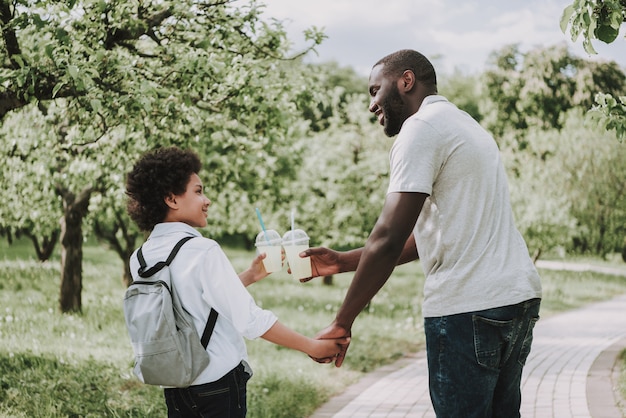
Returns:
(394, 113)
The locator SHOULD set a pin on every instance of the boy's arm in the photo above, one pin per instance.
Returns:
(318, 349)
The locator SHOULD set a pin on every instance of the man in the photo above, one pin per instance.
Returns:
(448, 198)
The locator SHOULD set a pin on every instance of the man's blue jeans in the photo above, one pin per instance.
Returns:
(475, 360)
(224, 398)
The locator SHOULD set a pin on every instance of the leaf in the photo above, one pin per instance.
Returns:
(96, 105)
(62, 36)
(56, 89)
(586, 18)
(606, 33)
(19, 60)
(588, 47)
(565, 17)
(38, 21)
(49, 50)
(73, 71)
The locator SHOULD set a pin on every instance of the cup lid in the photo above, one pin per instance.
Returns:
(268, 237)
(295, 237)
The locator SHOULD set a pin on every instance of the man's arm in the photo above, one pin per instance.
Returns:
(326, 262)
(409, 252)
(382, 252)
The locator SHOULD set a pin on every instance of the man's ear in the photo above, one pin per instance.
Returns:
(170, 201)
(407, 81)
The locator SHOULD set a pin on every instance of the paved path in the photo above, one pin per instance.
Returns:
(570, 372)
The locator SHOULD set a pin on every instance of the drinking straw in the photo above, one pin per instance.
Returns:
(258, 214)
(293, 220)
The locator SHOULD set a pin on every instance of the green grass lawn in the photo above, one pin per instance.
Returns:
(56, 365)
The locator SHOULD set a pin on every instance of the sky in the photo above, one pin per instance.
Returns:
(456, 35)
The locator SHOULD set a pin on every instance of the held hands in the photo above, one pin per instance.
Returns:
(325, 350)
(340, 336)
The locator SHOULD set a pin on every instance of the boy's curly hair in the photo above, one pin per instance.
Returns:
(158, 173)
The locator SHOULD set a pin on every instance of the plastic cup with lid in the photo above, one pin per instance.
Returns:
(270, 243)
(294, 242)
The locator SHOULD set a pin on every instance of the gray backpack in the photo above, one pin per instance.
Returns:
(168, 350)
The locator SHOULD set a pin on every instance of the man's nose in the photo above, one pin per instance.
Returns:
(373, 106)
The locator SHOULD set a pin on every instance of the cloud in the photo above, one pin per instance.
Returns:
(454, 33)
(331, 13)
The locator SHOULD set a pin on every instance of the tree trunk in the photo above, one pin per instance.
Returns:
(536, 255)
(45, 248)
(121, 239)
(74, 210)
(328, 280)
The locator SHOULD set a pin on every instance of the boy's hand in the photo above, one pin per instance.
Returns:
(255, 272)
(335, 331)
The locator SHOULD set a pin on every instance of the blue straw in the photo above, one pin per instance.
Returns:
(258, 215)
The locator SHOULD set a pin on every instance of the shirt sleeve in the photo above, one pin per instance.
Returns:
(415, 158)
(222, 289)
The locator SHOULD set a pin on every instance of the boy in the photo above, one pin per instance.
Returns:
(166, 197)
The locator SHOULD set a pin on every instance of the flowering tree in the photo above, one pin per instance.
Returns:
(601, 20)
(86, 86)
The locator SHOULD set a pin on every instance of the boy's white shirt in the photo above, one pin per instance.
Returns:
(204, 278)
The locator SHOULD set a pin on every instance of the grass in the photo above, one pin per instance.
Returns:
(621, 383)
(56, 365)
(611, 260)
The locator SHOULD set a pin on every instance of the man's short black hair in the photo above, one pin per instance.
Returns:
(407, 59)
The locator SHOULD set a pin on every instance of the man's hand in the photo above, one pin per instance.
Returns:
(324, 262)
(334, 331)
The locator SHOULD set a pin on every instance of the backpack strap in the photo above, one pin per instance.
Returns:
(208, 329)
(158, 266)
(210, 325)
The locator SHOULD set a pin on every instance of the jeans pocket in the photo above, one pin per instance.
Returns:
(528, 340)
(208, 393)
(489, 340)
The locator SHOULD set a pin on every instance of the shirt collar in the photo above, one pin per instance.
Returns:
(167, 228)
(433, 98)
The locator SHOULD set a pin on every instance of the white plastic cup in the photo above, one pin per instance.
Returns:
(294, 242)
(270, 243)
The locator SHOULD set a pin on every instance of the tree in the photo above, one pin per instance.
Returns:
(541, 207)
(337, 84)
(602, 20)
(463, 90)
(338, 188)
(111, 224)
(568, 188)
(597, 188)
(105, 81)
(538, 87)
(30, 206)
(341, 195)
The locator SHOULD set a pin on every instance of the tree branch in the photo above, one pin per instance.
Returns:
(117, 36)
(10, 38)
